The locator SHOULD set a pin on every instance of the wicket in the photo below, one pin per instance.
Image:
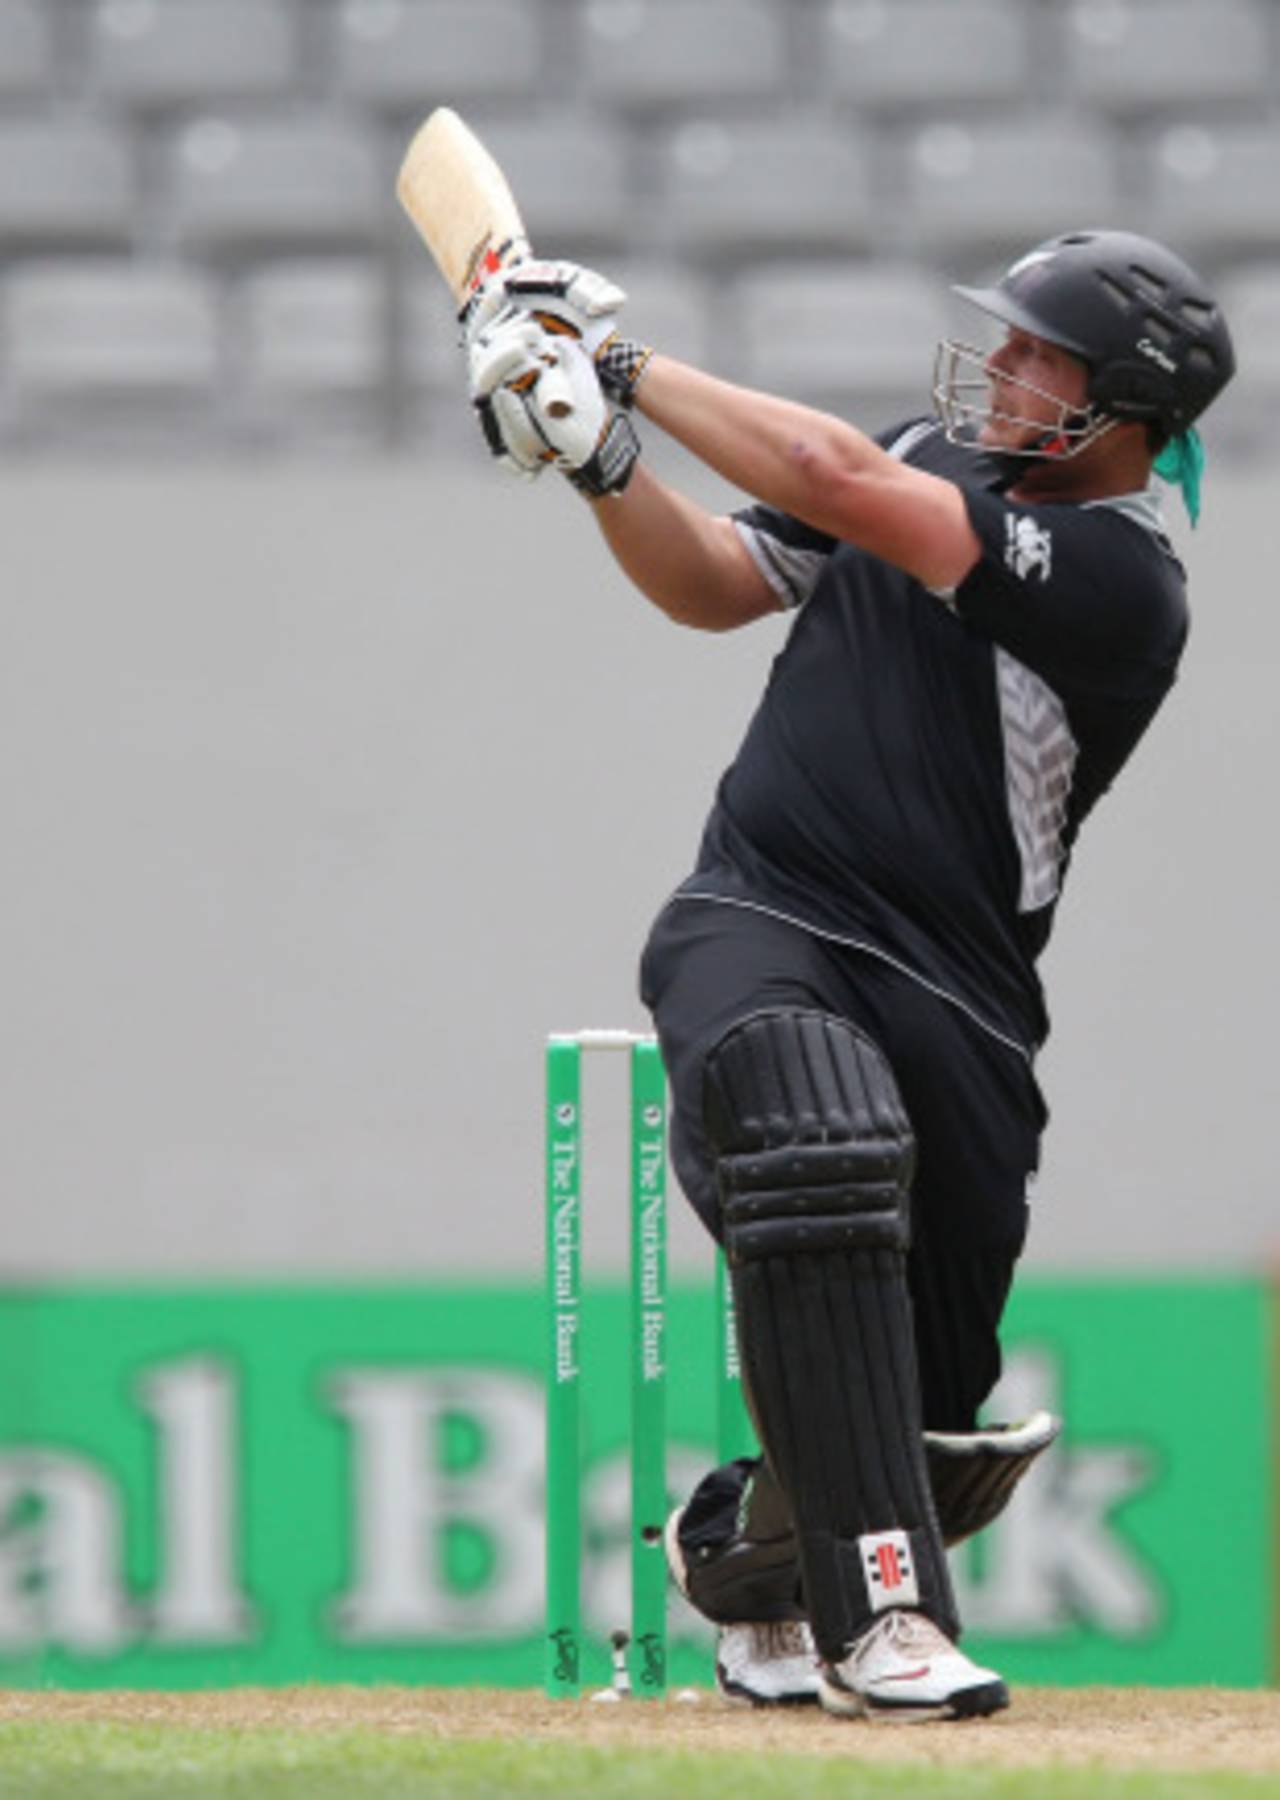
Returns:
(646, 1651)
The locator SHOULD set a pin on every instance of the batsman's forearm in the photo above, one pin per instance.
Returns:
(691, 564)
(800, 460)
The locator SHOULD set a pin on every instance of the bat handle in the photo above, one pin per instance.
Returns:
(555, 393)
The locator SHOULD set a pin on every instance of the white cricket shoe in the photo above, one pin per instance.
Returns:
(905, 1668)
(769, 1665)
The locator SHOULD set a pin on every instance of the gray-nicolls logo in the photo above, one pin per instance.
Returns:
(1028, 547)
(1056, 1558)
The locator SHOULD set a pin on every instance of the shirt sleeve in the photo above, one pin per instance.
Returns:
(1086, 598)
(789, 554)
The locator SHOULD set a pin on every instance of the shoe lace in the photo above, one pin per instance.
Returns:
(910, 1632)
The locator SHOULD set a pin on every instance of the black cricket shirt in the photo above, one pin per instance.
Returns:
(918, 768)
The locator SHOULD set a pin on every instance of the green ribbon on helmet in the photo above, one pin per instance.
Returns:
(1181, 464)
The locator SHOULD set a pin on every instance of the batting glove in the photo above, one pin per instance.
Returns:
(577, 302)
(541, 404)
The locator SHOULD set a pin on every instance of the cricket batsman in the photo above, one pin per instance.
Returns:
(987, 615)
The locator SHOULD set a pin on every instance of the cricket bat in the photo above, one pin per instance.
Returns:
(463, 208)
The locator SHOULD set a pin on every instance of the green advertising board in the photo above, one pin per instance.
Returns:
(275, 1485)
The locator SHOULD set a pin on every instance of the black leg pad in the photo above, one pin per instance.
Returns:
(815, 1160)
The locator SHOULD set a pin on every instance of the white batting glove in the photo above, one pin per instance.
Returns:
(582, 299)
(503, 364)
(511, 435)
(541, 404)
(578, 302)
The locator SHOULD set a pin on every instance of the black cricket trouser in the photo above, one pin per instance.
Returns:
(973, 1104)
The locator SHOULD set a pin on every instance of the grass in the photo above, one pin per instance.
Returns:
(149, 1762)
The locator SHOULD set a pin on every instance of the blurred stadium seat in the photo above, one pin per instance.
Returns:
(417, 54)
(313, 353)
(667, 305)
(276, 184)
(975, 190)
(431, 375)
(64, 184)
(155, 53)
(109, 344)
(847, 334)
(571, 177)
(26, 47)
(243, 151)
(796, 183)
(1251, 300)
(1213, 190)
(1147, 55)
(668, 53)
(925, 53)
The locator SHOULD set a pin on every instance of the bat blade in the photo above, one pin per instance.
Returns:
(460, 202)
(462, 206)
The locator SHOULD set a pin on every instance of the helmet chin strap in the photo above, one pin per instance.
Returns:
(1050, 446)
(1073, 433)
(1055, 445)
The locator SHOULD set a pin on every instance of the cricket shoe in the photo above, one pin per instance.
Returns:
(905, 1668)
(769, 1665)
(766, 1664)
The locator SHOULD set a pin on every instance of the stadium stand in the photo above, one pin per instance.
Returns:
(669, 305)
(926, 53)
(980, 189)
(842, 334)
(64, 183)
(665, 54)
(26, 49)
(270, 185)
(1213, 188)
(1251, 297)
(1148, 56)
(226, 168)
(144, 54)
(726, 187)
(108, 349)
(573, 181)
(313, 352)
(414, 54)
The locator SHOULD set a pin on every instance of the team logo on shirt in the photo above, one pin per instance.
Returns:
(1028, 548)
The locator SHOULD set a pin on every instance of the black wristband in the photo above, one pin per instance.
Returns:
(620, 362)
(615, 458)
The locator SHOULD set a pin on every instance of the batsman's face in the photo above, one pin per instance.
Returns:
(1035, 385)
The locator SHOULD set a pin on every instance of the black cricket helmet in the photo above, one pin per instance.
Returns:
(1144, 322)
